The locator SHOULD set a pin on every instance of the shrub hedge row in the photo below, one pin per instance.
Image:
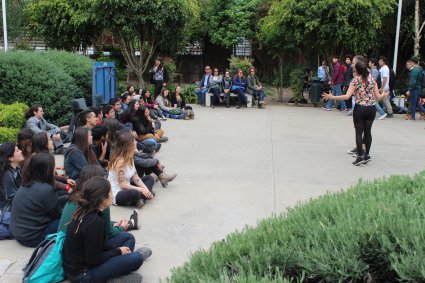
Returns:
(12, 119)
(50, 78)
(373, 232)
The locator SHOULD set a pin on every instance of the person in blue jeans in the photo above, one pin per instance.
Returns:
(254, 87)
(336, 81)
(87, 256)
(203, 86)
(239, 87)
(415, 87)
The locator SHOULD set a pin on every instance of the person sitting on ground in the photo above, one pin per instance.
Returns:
(239, 87)
(37, 123)
(123, 174)
(159, 76)
(145, 127)
(10, 173)
(114, 230)
(98, 111)
(100, 145)
(87, 119)
(202, 89)
(255, 88)
(117, 107)
(36, 208)
(128, 115)
(86, 254)
(125, 100)
(41, 142)
(227, 87)
(24, 142)
(177, 100)
(130, 91)
(152, 105)
(79, 154)
(215, 86)
(168, 110)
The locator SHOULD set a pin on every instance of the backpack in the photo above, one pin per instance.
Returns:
(45, 264)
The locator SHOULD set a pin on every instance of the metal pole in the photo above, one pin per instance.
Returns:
(397, 35)
(3, 7)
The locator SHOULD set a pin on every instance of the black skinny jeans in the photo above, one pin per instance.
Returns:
(131, 197)
(363, 117)
(158, 87)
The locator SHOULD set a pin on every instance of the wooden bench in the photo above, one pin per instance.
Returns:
(208, 96)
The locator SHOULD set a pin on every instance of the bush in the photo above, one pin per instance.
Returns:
(236, 63)
(8, 134)
(13, 115)
(370, 233)
(296, 81)
(189, 95)
(171, 68)
(29, 78)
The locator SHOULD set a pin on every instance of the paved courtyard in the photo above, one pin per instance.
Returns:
(238, 166)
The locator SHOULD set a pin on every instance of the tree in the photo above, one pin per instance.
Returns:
(63, 24)
(418, 29)
(228, 21)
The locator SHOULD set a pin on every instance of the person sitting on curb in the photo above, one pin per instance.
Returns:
(255, 88)
(37, 123)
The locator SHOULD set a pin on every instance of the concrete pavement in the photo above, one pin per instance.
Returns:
(238, 166)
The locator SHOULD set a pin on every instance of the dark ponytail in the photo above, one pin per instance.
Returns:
(361, 67)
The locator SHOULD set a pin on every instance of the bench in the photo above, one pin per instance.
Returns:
(208, 96)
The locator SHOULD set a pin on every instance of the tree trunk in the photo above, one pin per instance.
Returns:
(280, 86)
(418, 30)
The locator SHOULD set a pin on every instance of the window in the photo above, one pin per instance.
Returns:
(243, 48)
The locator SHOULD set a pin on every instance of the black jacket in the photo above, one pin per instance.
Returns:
(9, 185)
(173, 100)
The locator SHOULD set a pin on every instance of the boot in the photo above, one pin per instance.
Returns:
(422, 116)
(164, 179)
(407, 117)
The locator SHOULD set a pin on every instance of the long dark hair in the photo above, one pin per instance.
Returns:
(41, 167)
(80, 139)
(92, 193)
(161, 64)
(112, 125)
(147, 99)
(40, 142)
(88, 172)
(140, 117)
(24, 141)
(361, 67)
(128, 114)
(7, 150)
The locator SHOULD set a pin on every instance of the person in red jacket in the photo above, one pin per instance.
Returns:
(336, 82)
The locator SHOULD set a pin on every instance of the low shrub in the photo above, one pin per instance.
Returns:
(13, 115)
(8, 134)
(243, 63)
(371, 233)
(296, 81)
(30, 78)
(189, 95)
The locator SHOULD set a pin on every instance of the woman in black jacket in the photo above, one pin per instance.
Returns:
(177, 100)
(10, 174)
(86, 255)
(159, 76)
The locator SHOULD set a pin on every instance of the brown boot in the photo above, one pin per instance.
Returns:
(164, 179)
(407, 117)
(422, 116)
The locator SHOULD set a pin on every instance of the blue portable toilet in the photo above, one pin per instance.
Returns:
(104, 82)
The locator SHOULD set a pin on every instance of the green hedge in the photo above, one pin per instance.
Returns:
(8, 134)
(373, 232)
(34, 78)
(13, 115)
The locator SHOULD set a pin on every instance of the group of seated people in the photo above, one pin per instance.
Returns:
(240, 85)
(110, 161)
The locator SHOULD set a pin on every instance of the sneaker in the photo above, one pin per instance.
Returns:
(145, 252)
(359, 160)
(133, 223)
(367, 159)
(390, 115)
(163, 118)
(349, 113)
(129, 278)
(163, 139)
(344, 110)
(353, 151)
(326, 109)
(238, 107)
(140, 203)
(382, 117)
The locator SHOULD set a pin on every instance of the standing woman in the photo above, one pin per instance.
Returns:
(36, 208)
(10, 174)
(86, 255)
(365, 91)
(239, 87)
(215, 86)
(127, 187)
(79, 154)
(159, 76)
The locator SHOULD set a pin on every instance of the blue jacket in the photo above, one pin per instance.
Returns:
(74, 162)
(238, 82)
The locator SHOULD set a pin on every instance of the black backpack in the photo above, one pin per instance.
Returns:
(392, 80)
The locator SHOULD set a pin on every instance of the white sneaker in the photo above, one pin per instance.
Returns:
(382, 117)
(349, 113)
